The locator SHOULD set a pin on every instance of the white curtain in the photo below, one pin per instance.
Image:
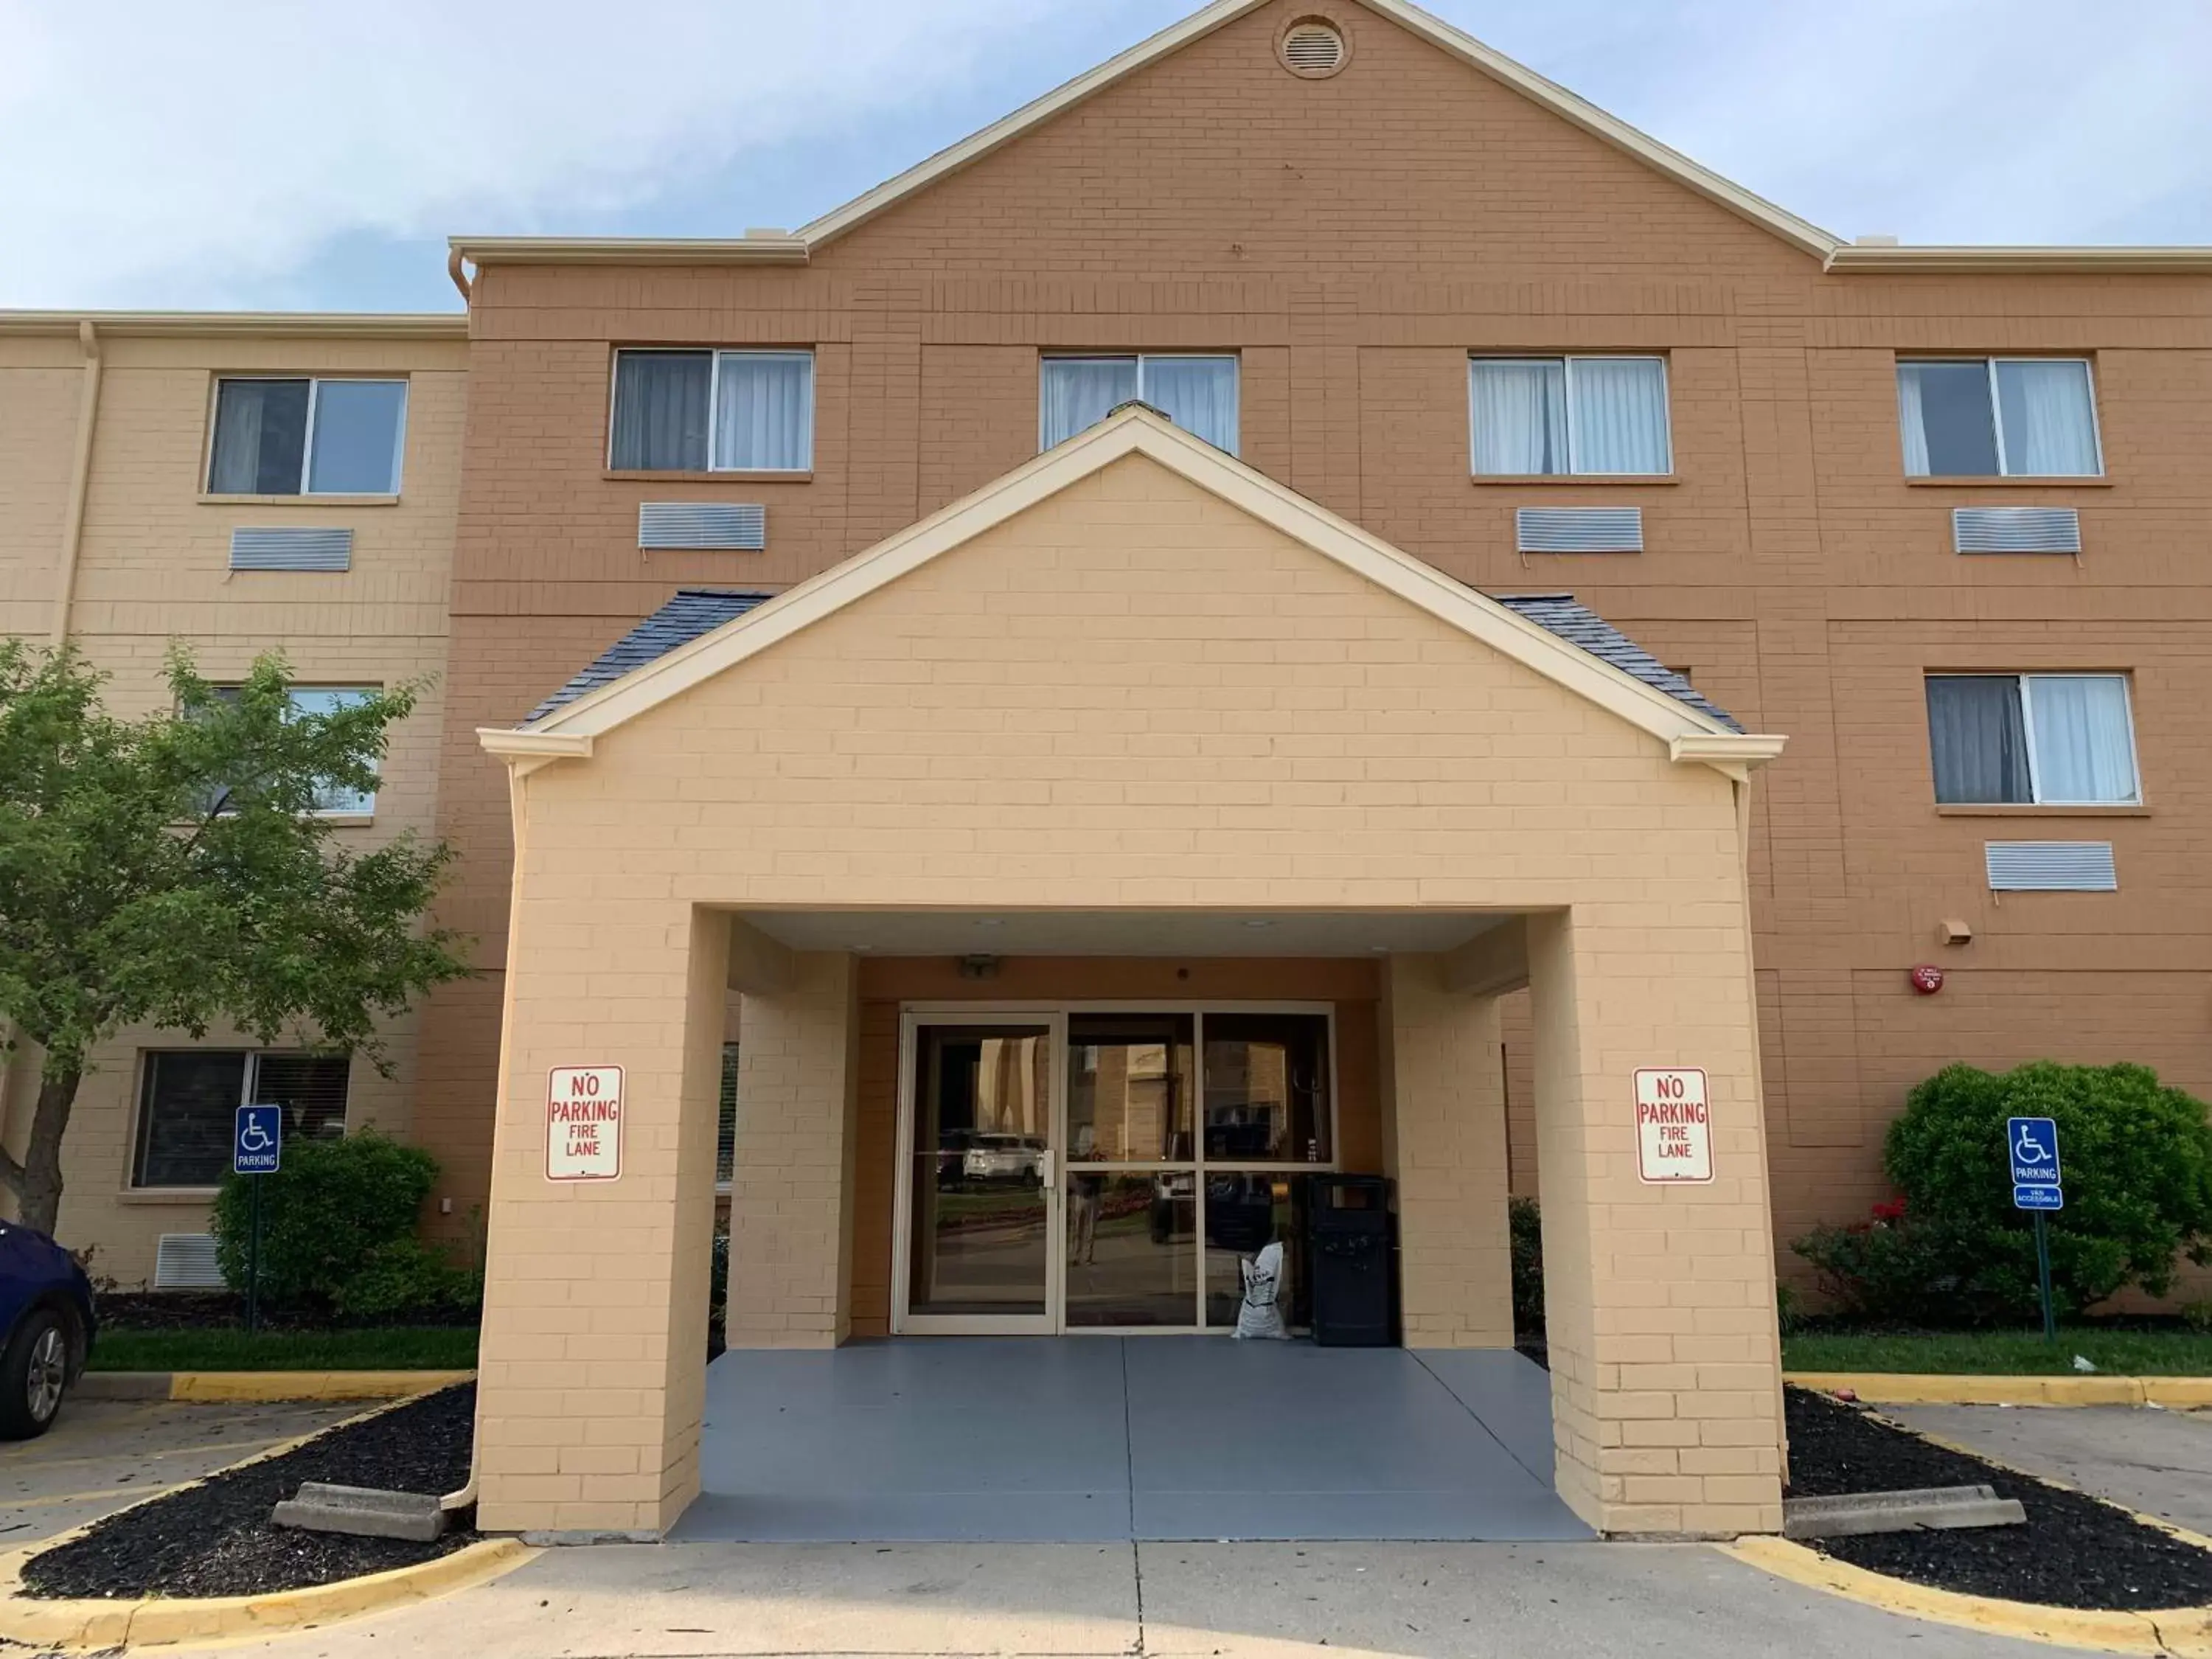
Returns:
(1199, 394)
(1618, 409)
(1519, 416)
(764, 421)
(1912, 420)
(1080, 391)
(2050, 429)
(2084, 749)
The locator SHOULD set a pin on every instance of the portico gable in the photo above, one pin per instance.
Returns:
(1136, 696)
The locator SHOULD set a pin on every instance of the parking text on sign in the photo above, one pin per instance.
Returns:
(1674, 1126)
(583, 1123)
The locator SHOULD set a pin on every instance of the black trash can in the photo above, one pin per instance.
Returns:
(1350, 1260)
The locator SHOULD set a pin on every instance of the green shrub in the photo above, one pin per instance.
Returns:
(406, 1276)
(337, 1212)
(2197, 1316)
(2137, 1160)
(1525, 1226)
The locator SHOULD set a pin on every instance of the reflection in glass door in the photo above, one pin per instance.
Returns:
(979, 1182)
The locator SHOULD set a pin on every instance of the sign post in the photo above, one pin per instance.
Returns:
(2032, 1145)
(257, 1147)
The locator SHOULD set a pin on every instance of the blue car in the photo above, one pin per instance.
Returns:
(46, 1326)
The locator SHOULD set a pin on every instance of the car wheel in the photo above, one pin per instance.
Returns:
(33, 1375)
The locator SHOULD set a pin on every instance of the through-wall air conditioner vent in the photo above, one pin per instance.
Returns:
(2050, 866)
(1312, 46)
(2015, 530)
(254, 547)
(1579, 529)
(185, 1261)
(740, 524)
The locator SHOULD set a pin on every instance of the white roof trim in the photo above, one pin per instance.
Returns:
(1134, 430)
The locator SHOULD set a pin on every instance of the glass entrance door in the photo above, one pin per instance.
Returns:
(980, 1190)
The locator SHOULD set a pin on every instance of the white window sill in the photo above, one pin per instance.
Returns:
(2064, 481)
(2038, 810)
(302, 500)
(1525, 479)
(198, 1197)
(734, 475)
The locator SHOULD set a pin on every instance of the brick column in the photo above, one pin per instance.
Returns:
(1443, 1088)
(1659, 1300)
(593, 1362)
(791, 1210)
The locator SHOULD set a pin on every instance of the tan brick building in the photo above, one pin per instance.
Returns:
(1022, 776)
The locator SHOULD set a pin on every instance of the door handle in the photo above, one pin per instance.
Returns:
(1044, 1167)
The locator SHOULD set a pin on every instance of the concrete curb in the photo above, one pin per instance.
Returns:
(263, 1388)
(1908, 1389)
(2180, 1632)
(92, 1624)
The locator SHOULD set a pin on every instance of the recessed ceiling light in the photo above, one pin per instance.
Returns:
(1380, 950)
(990, 921)
(1258, 921)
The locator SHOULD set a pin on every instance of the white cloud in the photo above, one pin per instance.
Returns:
(181, 154)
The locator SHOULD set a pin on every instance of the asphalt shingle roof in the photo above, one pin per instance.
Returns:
(1578, 624)
(696, 610)
(693, 611)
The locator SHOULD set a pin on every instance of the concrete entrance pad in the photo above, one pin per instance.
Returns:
(1095, 1439)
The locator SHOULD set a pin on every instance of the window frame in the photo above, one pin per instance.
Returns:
(1567, 360)
(219, 379)
(1234, 358)
(347, 814)
(2004, 472)
(2020, 678)
(715, 355)
(249, 1078)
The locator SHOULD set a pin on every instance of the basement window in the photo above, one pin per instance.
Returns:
(306, 437)
(189, 1098)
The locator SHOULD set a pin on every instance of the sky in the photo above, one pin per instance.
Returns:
(281, 154)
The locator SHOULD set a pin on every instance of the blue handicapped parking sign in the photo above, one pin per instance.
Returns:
(2032, 1143)
(258, 1145)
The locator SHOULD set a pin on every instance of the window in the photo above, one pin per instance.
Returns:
(307, 437)
(189, 1097)
(712, 412)
(1199, 394)
(333, 800)
(1989, 417)
(1569, 416)
(2040, 740)
(726, 1121)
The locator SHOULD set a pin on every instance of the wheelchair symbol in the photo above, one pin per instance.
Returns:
(2028, 1149)
(254, 1138)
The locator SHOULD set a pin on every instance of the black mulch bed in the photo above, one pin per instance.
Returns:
(217, 1539)
(197, 1310)
(2075, 1552)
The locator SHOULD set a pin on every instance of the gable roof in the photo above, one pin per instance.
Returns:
(1580, 625)
(1617, 678)
(693, 611)
(795, 247)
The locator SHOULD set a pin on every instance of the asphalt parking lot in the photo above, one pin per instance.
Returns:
(104, 1453)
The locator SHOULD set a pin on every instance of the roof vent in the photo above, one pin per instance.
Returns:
(1313, 48)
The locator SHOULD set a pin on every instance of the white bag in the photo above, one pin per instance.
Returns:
(1258, 1316)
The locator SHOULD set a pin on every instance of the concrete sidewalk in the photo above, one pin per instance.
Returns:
(2156, 1462)
(1421, 1601)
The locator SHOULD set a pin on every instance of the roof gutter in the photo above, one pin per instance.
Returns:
(2093, 261)
(781, 249)
(88, 411)
(1738, 754)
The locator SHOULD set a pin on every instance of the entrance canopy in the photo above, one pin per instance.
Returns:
(1162, 735)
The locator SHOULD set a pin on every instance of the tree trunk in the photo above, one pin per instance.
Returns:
(38, 1180)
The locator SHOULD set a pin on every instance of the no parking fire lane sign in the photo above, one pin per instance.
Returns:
(583, 1123)
(1674, 1127)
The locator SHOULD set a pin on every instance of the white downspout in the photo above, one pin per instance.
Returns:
(88, 339)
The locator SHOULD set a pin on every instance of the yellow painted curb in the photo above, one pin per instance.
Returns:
(2181, 1632)
(1909, 1389)
(170, 1620)
(264, 1387)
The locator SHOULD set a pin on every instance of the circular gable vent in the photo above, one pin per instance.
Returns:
(1313, 48)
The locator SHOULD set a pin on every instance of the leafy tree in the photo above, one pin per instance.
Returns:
(171, 870)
